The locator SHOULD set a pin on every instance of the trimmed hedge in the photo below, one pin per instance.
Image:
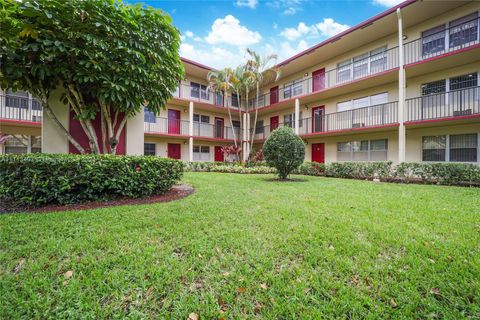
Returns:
(40, 179)
(431, 173)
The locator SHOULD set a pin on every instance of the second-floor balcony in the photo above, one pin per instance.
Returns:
(373, 63)
(202, 94)
(177, 127)
(460, 34)
(368, 117)
(453, 104)
(20, 107)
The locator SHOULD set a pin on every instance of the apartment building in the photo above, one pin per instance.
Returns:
(401, 86)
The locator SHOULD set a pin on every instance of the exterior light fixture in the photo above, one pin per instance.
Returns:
(405, 37)
(305, 74)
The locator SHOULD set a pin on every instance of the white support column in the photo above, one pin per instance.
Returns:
(245, 140)
(190, 131)
(297, 116)
(401, 91)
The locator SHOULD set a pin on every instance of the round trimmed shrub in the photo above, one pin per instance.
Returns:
(284, 150)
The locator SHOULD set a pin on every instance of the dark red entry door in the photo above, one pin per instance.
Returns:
(173, 151)
(218, 154)
(318, 152)
(219, 125)
(273, 123)
(173, 121)
(318, 80)
(318, 116)
(274, 95)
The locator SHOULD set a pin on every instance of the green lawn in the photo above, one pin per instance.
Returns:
(245, 247)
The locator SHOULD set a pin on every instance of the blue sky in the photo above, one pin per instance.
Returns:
(216, 33)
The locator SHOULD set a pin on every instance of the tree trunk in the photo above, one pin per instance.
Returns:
(255, 122)
(60, 126)
(230, 118)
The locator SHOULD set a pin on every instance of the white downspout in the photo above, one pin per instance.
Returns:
(297, 116)
(401, 91)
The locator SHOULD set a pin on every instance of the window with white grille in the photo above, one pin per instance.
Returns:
(364, 150)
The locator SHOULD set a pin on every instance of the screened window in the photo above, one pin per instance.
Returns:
(148, 116)
(378, 60)
(360, 150)
(364, 150)
(343, 151)
(198, 91)
(463, 148)
(235, 100)
(17, 99)
(433, 40)
(259, 129)
(344, 71)
(149, 149)
(293, 89)
(464, 81)
(464, 30)
(201, 118)
(433, 148)
(289, 120)
(378, 150)
(201, 153)
(345, 105)
(360, 65)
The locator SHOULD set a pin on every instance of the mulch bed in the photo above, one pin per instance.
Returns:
(176, 192)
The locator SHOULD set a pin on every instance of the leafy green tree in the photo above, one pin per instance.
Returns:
(220, 81)
(261, 71)
(109, 59)
(284, 150)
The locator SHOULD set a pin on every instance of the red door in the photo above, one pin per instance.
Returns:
(219, 125)
(173, 151)
(318, 80)
(218, 154)
(318, 119)
(273, 123)
(173, 121)
(274, 95)
(318, 152)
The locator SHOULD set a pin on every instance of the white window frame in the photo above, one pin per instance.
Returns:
(447, 148)
(369, 150)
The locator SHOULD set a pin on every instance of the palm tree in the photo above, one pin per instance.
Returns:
(262, 71)
(221, 81)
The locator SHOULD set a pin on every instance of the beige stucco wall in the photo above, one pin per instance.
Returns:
(53, 139)
(135, 134)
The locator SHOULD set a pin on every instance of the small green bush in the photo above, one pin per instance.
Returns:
(284, 150)
(442, 173)
(311, 169)
(359, 170)
(40, 179)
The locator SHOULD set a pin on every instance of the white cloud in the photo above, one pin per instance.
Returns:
(290, 11)
(252, 4)
(288, 7)
(189, 34)
(214, 57)
(387, 3)
(285, 49)
(229, 31)
(301, 30)
(329, 27)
